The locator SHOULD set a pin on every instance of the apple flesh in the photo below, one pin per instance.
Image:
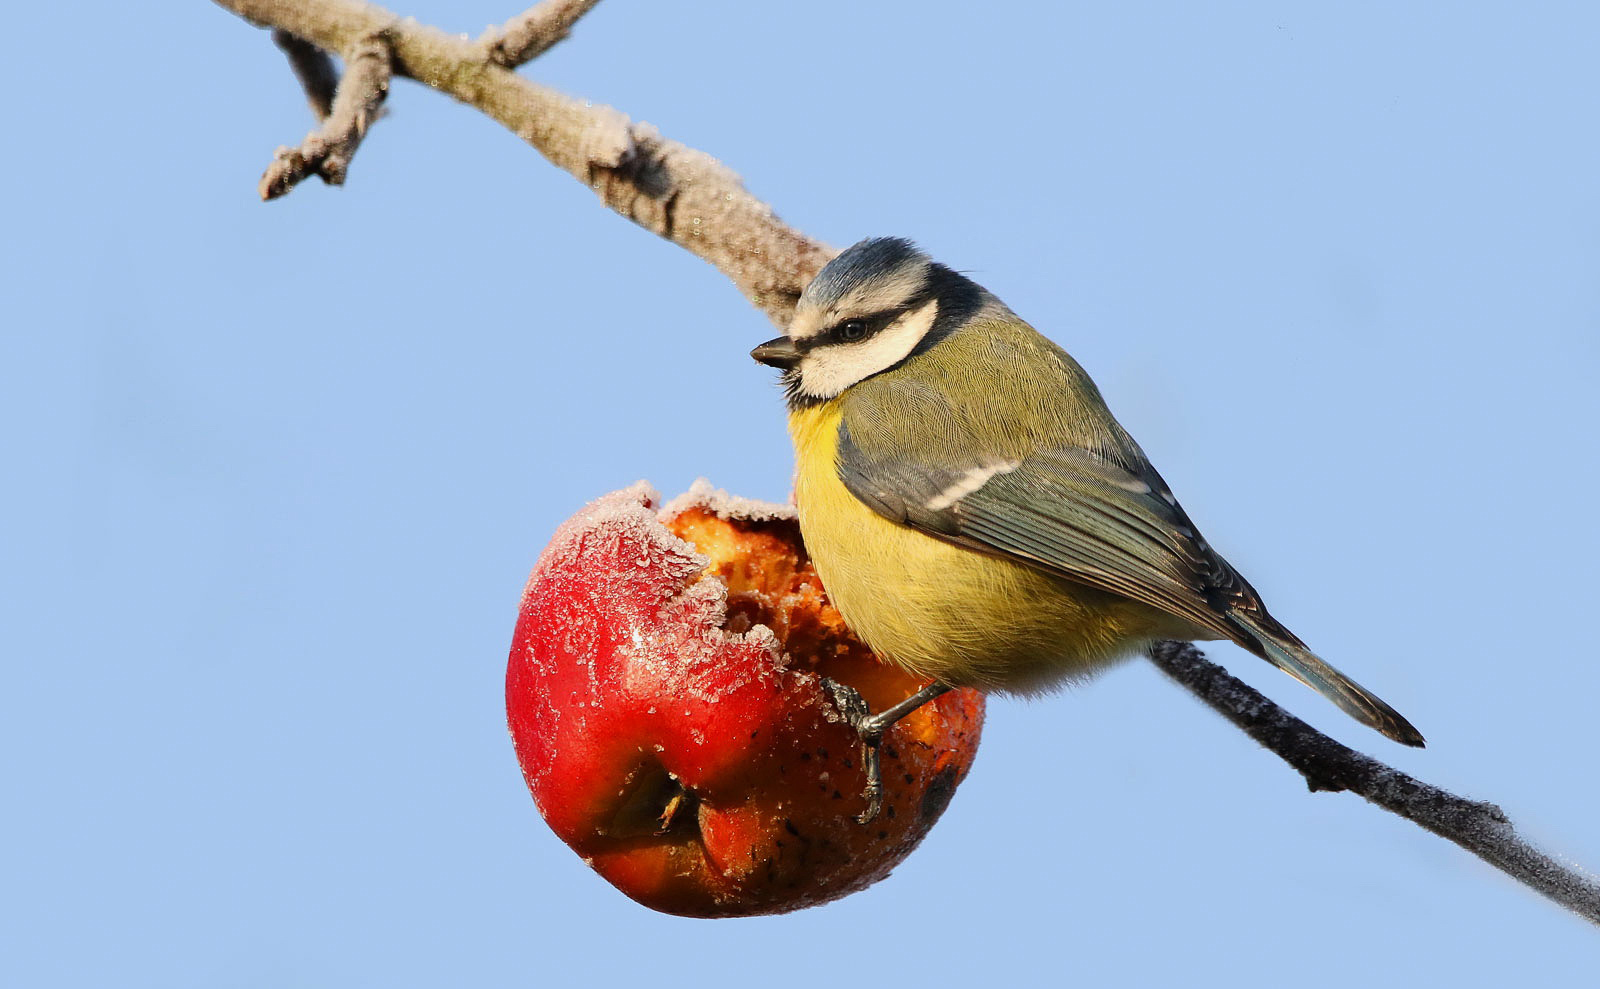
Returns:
(664, 696)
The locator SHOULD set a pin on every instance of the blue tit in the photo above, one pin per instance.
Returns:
(974, 510)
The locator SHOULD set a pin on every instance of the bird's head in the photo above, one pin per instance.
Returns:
(870, 308)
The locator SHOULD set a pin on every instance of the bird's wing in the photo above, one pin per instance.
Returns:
(1067, 511)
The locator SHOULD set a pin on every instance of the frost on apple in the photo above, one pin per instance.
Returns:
(620, 598)
(663, 695)
(703, 496)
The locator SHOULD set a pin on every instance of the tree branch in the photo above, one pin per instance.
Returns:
(356, 103)
(692, 200)
(313, 68)
(1481, 828)
(674, 191)
(534, 32)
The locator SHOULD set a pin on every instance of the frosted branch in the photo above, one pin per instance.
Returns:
(533, 32)
(674, 191)
(356, 103)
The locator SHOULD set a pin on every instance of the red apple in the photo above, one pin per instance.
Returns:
(664, 696)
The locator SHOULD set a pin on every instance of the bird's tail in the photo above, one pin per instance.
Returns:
(1277, 646)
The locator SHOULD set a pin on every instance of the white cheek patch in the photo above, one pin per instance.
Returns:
(829, 370)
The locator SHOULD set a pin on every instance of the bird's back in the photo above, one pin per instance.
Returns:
(997, 387)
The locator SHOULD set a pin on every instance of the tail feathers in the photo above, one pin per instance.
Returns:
(1292, 657)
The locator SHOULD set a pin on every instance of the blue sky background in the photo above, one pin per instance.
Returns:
(277, 473)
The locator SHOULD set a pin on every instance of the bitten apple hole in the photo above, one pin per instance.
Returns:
(770, 582)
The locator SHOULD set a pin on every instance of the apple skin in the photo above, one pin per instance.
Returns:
(672, 741)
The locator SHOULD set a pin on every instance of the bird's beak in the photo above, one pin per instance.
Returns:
(779, 352)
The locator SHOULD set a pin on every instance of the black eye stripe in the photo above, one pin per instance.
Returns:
(871, 326)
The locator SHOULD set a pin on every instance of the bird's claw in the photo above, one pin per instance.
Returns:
(853, 707)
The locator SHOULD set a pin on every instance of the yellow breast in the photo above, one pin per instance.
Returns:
(944, 611)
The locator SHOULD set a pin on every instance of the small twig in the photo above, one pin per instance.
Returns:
(1481, 828)
(356, 103)
(313, 68)
(533, 32)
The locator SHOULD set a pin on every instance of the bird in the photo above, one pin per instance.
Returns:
(976, 513)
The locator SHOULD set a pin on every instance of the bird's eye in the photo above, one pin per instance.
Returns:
(852, 329)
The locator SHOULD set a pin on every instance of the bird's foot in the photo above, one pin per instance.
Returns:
(871, 728)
